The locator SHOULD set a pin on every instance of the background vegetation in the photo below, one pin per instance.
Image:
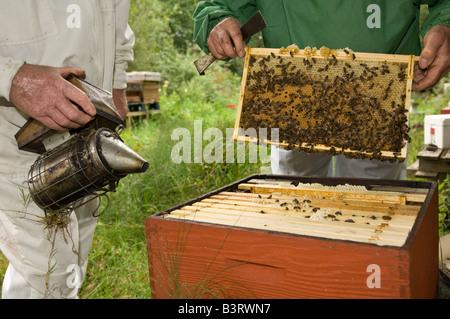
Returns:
(118, 265)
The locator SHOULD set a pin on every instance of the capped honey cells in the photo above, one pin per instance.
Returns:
(337, 101)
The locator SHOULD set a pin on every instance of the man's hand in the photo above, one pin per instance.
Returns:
(434, 61)
(120, 101)
(44, 94)
(225, 40)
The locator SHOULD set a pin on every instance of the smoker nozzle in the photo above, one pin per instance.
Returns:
(119, 157)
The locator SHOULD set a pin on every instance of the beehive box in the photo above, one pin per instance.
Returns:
(298, 237)
(437, 130)
(336, 101)
(143, 87)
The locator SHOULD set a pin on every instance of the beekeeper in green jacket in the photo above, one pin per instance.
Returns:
(377, 26)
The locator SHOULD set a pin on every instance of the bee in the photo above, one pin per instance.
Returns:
(385, 70)
(401, 75)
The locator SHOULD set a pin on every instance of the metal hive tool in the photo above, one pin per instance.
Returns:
(336, 101)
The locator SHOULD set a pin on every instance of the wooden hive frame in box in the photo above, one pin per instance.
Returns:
(298, 237)
(335, 101)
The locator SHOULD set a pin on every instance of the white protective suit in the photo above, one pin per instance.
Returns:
(90, 35)
(293, 162)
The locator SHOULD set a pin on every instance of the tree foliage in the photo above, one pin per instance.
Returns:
(164, 33)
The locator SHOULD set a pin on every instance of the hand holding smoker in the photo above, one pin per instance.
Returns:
(82, 162)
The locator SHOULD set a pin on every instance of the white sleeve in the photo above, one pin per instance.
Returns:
(8, 69)
(124, 44)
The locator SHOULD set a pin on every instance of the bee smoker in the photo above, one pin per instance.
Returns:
(86, 162)
(91, 162)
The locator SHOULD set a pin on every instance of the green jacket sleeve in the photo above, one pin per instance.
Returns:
(439, 14)
(209, 13)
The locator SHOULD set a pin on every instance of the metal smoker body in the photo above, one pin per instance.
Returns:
(90, 161)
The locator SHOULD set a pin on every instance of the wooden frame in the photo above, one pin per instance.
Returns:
(322, 58)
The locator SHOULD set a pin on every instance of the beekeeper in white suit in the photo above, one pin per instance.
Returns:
(41, 42)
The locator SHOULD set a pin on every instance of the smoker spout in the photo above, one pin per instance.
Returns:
(118, 156)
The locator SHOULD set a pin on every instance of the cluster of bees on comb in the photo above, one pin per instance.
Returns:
(304, 208)
(322, 100)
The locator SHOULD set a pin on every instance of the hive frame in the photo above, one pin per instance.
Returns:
(341, 56)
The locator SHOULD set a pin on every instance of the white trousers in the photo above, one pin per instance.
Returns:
(42, 264)
(293, 162)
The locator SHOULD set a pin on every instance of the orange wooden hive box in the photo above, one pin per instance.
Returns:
(298, 237)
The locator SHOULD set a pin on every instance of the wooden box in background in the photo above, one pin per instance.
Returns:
(298, 237)
(143, 87)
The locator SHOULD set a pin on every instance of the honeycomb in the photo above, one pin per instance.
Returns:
(337, 101)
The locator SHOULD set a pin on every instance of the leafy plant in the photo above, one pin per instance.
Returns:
(444, 206)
